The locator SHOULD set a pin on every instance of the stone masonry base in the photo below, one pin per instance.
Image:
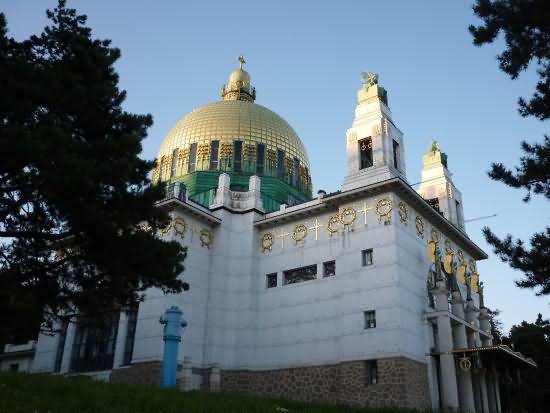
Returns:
(401, 382)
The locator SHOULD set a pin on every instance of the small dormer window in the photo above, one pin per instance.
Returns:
(365, 153)
(396, 155)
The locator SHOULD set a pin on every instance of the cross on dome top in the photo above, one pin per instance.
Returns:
(241, 61)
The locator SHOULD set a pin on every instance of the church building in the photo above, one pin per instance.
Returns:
(369, 295)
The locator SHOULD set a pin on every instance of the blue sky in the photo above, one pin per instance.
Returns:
(305, 60)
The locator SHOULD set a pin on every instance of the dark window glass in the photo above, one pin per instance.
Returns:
(192, 158)
(396, 155)
(372, 372)
(280, 164)
(214, 146)
(14, 367)
(60, 346)
(459, 214)
(130, 335)
(366, 256)
(300, 274)
(260, 159)
(370, 319)
(296, 173)
(237, 155)
(94, 345)
(329, 268)
(434, 203)
(365, 153)
(271, 280)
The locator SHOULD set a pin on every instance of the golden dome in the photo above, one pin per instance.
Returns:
(236, 136)
(228, 121)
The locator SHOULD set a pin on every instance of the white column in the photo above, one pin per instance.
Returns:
(215, 378)
(120, 340)
(67, 350)
(483, 385)
(497, 388)
(465, 389)
(449, 390)
(485, 325)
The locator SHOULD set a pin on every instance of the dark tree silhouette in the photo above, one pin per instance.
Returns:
(526, 28)
(74, 194)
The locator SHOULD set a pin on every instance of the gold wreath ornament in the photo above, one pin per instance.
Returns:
(267, 242)
(179, 226)
(333, 222)
(299, 233)
(403, 212)
(383, 210)
(348, 216)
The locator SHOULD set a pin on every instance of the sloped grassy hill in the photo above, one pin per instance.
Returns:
(53, 394)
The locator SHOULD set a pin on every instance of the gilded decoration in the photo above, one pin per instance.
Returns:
(365, 210)
(465, 364)
(332, 225)
(347, 217)
(419, 222)
(383, 210)
(282, 236)
(179, 226)
(165, 229)
(145, 227)
(266, 242)
(434, 235)
(474, 276)
(226, 150)
(449, 257)
(203, 151)
(461, 270)
(403, 212)
(300, 233)
(206, 237)
(249, 152)
(316, 228)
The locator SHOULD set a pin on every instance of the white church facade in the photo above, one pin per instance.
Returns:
(368, 295)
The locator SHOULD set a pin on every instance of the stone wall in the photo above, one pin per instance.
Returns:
(139, 373)
(401, 382)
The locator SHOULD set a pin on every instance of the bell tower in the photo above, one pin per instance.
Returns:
(374, 144)
(437, 187)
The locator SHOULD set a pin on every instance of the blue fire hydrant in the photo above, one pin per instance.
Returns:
(173, 322)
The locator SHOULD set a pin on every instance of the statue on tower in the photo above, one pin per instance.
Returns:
(369, 78)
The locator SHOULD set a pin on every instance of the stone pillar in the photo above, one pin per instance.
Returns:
(449, 391)
(465, 390)
(215, 378)
(483, 386)
(485, 325)
(496, 384)
(490, 391)
(120, 345)
(67, 351)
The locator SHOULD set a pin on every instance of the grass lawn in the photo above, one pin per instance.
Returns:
(53, 394)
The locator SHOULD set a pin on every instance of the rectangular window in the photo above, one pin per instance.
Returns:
(60, 346)
(94, 345)
(260, 159)
(459, 218)
(271, 280)
(366, 256)
(280, 164)
(372, 372)
(370, 318)
(365, 153)
(329, 268)
(214, 147)
(434, 203)
(296, 172)
(237, 155)
(130, 335)
(396, 155)
(173, 167)
(298, 275)
(192, 158)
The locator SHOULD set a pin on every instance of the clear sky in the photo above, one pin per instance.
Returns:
(305, 59)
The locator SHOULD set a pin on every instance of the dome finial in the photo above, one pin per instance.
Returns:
(241, 61)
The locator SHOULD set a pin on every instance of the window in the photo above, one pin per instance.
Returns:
(280, 164)
(130, 335)
(370, 318)
(298, 275)
(260, 159)
(94, 345)
(192, 158)
(271, 280)
(14, 367)
(459, 218)
(396, 155)
(296, 172)
(434, 203)
(214, 146)
(237, 155)
(365, 153)
(366, 256)
(173, 167)
(372, 372)
(60, 346)
(329, 268)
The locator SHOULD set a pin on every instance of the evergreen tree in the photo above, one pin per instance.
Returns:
(74, 193)
(526, 28)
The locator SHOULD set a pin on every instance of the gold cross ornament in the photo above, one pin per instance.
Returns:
(283, 235)
(316, 228)
(365, 209)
